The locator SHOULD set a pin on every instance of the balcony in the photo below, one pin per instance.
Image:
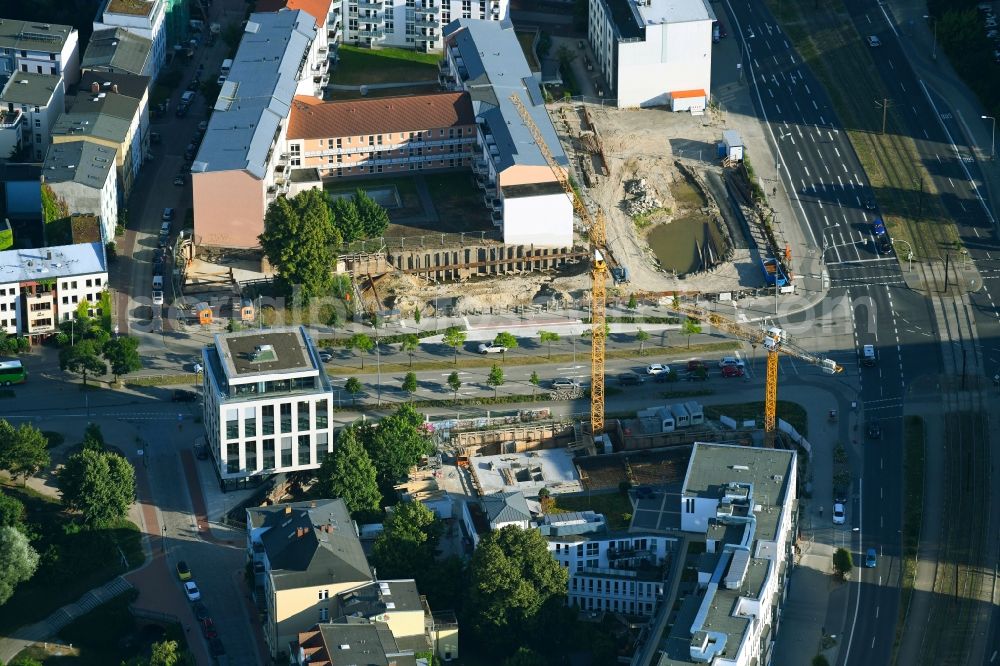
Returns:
(443, 67)
(428, 10)
(371, 34)
(10, 119)
(424, 21)
(370, 4)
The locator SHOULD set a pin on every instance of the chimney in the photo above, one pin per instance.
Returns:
(288, 509)
(114, 88)
(48, 254)
(298, 532)
(95, 87)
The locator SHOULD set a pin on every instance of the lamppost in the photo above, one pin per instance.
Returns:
(993, 136)
(909, 253)
(163, 531)
(934, 46)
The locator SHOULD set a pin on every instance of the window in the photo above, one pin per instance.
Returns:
(303, 414)
(249, 422)
(324, 614)
(251, 453)
(97, 282)
(324, 594)
(322, 444)
(286, 451)
(322, 413)
(304, 454)
(296, 162)
(38, 121)
(286, 417)
(232, 424)
(268, 414)
(268, 454)
(232, 459)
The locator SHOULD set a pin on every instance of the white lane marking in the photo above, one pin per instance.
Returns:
(891, 65)
(815, 105)
(902, 86)
(807, 89)
(836, 151)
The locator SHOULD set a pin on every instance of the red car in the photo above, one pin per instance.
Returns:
(732, 371)
(695, 364)
(208, 628)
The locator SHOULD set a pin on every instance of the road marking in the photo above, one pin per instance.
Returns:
(815, 105)
(902, 86)
(891, 66)
(836, 151)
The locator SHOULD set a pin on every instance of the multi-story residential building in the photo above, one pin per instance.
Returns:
(267, 404)
(82, 175)
(118, 50)
(742, 500)
(484, 59)
(654, 52)
(39, 48)
(326, 14)
(128, 85)
(40, 288)
(32, 102)
(414, 24)
(504, 509)
(383, 135)
(111, 119)
(146, 18)
(233, 175)
(350, 643)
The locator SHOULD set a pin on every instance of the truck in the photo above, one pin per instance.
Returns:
(868, 357)
(773, 275)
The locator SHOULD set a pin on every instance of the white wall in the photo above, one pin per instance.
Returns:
(78, 289)
(674, 56)
(543, 221)
(8, 307)
(152, 27)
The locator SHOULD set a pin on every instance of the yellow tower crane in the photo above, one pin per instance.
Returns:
(598, 272)
(774, 340)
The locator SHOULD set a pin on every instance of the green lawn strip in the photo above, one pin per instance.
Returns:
(616, 507)
(162, 380)
(527, 40)
(72, 561)
(426, 89)
(386, 65)
(913, 508)
(791, 412)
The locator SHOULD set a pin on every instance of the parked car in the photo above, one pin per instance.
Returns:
(157, 297)
(200, 612)
(874, 430)
(695, 364)
(325, 356)
(197, 367)
(179, 180)
(871, 558)
(183, 572)
(839, 515)
(732, 371)
(215, 647)
(181, 395)
(168, 216)
(208, 628)
(874, 41)
(730, 361)
(630, 379)
(564, 384)
(657, 369)
(192, 591)
(181, 111)
(490, 348)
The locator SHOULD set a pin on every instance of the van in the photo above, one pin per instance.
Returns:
(868, 355)
(158, 282)
(227, 65)
(187, 98)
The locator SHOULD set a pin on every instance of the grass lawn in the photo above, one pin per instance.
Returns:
(527, 39)
(459, 202)
(615, 507)
(365, 66)
(71, 562)
(913, 511)
(792, 412)
(338, 95)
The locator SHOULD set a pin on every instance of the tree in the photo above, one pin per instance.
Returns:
(525, 656)
(18, 561)
(410, 383)
(99, 484)
(820, 660)
(82, 358)
(410, 344)
(633, 303)
(93, 438)
(641, 336)
(405, 548)
(690, 327)
(23, 451)
(548, 337)
(362, 343)
(374, 218)
(495, 378)
(416, 314)
(535, 381)
(53, 208)
(842, 562)
(507, 341)
(346, 219)
(353, 386)
(348, 473)
(299, 240)
(165, 653)
(11, 511)
(512, 576)
(454, 383)
(395, 445)
(675, 302)
(123, 355)
(455, 337)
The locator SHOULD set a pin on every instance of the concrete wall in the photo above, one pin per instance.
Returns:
(543, 221)
(298, 610)
(102, 202)
(228, 209)
(674, 56)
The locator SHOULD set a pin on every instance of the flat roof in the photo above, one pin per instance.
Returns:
(676, 11)
(130, 7)
(126, 83)
(83, 162)
(34, 35)
(31, 89)
(249, 353)
(52, 262)
(257, 94)
(531, 190)
(527, 472)
(318, 9)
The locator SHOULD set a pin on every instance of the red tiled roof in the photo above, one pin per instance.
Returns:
(313, 119)
(318, 9)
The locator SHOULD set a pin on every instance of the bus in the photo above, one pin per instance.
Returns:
(12, 372)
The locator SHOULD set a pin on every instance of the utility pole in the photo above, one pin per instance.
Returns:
(885, 111)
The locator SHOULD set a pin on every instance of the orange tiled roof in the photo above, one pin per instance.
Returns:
(318, 9)
(313, 119)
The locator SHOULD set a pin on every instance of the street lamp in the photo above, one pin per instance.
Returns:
(993, 136)
(934, 47)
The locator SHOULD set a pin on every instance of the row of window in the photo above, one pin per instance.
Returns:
(411, 166)
(605, 586)
(286, 451)
(34, 54)
(304, 418)
(389, 155)
(594, 547)
(612, 605)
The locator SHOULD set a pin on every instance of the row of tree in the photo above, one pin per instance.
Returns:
(88, 346)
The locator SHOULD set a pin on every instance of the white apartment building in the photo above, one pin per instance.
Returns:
(39, 48)
(414, 24)
(82, 175)
(323, 49)
(654, 52)
(40, 288)
(267, 404)
(485, 59)
(146, 18)
(30, 104)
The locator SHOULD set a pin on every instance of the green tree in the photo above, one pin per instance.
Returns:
(374, 218)
(820, 660)
(53, 208)
(82, 358)
(99, 484)
(495, 378)
(25, 661)
(107, 313)
(512, 576)
(690, 327)
(362, 343)
(633, 302)
(454, 383)
(507, 341)
(455, 337)
(348, 473)
(93, 438)
(405, 549)
(410, 344)
(842, 562)
(410, 383)
(416, 314)
(548, 337)
(18, 561)
(353, 386)
(23, 451)
(299, 240)
(641, 336)
(11, 511)
(395, 445)
(535, 381)
(675, 302)
(346, 219)
(525, 656)
(123, 355)
(165, 653)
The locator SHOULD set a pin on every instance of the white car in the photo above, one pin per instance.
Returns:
(730, 360)
(839, 515)
(197, 367)
(874, 41)
(657, 369)
(192, 591)
(157, 298)
(490, 348)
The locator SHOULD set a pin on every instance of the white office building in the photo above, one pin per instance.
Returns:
(654, 52)
(34, 47)
(267, 404)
